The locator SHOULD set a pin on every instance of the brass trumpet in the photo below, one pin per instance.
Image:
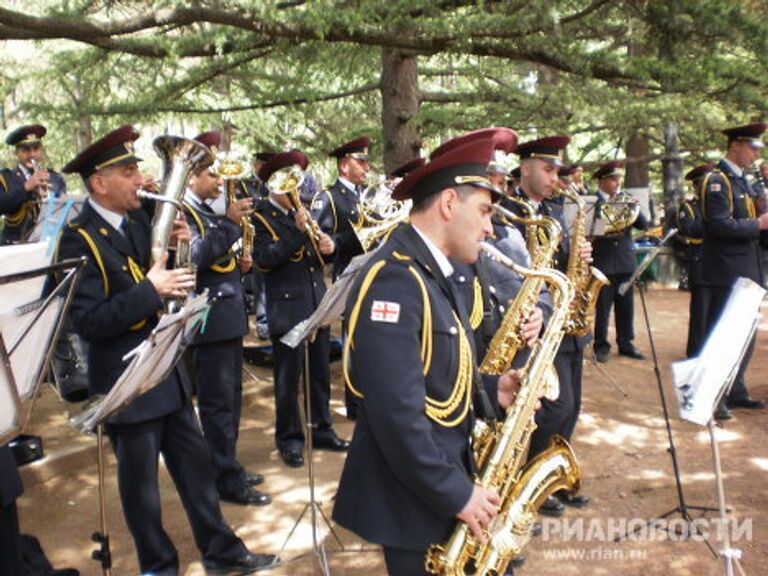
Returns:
(288, 181)
(231, 168)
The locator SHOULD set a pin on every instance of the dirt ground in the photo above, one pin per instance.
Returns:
(621, 443)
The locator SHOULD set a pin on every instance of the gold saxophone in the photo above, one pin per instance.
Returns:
(521, 489)
(587, 280)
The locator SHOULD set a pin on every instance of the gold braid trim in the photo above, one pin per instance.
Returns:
(97, 257)
(476, 316)
(138, 275)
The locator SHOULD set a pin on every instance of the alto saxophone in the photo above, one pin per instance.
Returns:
(587, 280)
(521, 489)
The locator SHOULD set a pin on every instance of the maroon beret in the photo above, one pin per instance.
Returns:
(112, 149)
(210, 139)
(26, 135)
(454, 166)
(751, 133)
(408, 167)
(282, 160)
(263, 156)
(695, 173)
(608, 170)
(357, 148)
(549, 149)
(565, 171)
(505, 138)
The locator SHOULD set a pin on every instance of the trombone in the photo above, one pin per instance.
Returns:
(288, 181)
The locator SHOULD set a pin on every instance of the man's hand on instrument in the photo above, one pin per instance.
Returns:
(301, 218)
(326, 244)
(245, 263)
(762, 221)
(508, 386)
(585, 251)
(37, 181)
(239, 208)
(180, 232)
(174, 283)
(482, 507)
(532, 326)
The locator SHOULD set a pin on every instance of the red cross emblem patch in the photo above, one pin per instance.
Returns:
(382, 311)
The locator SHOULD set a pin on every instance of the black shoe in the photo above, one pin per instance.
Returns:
(573, 500)
(602, 356)
(747, 403)
(537, 529)
(246, 564)
(552, 507)
(292, 458)
(723, 413)
(327, 440)
(631, 352)
(253, 478)
(246, 496)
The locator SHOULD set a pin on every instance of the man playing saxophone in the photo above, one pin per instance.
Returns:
(540, 161)
(217, 350)
(409, 357)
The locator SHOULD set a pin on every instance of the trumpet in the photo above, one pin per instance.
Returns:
(44, 190)
(231, 168)
(288, 181)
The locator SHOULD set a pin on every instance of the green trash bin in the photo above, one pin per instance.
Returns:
(650, 274)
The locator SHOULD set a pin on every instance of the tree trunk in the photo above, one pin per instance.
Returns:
(400, 104)
(672, 166)
(637, 161)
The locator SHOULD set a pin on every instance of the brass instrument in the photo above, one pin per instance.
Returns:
(619, 213)
(179, 156)
(527, 219)
(183, 249)
(542, 233)
(587, 280)
(379, 214)
(521, 489)
(44, 190)
(288, 181)
(230, 168)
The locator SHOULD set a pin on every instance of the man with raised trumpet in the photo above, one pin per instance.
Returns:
(615, 257)
(28, 183)
(409, 357)
(289, 249)
(115, 306)
(217, 350)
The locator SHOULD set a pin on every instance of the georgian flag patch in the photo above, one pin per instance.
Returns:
(382, 311)
(715, 187)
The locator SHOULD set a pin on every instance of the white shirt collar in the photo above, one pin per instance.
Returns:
(735, 169)
(442, 260)
(347, 184)
(113, 218)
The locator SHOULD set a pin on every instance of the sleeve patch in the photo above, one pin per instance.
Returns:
(382, 311)
(715, 187)
(317, 204)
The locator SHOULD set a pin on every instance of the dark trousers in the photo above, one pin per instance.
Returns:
(10, 544)
(624, 313)
(288, 370)
(218, 377)
(697, 321)
(716, 297)
(178, 438)
(560, 416)
(404, 562)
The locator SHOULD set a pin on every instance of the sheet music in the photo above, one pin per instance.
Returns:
(18, 258)
(699, 382)
(570, 211)
(10, 406)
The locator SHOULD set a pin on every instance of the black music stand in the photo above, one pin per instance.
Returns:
(150, 364)
(682, 508)
(329, 310)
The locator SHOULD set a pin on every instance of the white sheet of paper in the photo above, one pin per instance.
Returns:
(19, 258)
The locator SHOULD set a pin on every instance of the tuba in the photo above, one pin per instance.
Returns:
(179, 157)
(521, 489)
(587, 280)
(619, 213)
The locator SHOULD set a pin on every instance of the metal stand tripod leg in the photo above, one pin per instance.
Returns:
(103, 555)
(682, 507)
(314, 507)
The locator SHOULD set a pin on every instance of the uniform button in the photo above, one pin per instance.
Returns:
(501, 309)
(492, 289)
(125, 268)
(462, 278)
(314, 283)
(286, 295)
(453, 330)
(311, 268)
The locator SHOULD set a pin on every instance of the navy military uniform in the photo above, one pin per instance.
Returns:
(115, 308)
(731, 242)
(335, 209)
(294, 284)
(409, 356)
(218, 348)
(10, 490)
(22, 208)
(614, 256)
(691, 228)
